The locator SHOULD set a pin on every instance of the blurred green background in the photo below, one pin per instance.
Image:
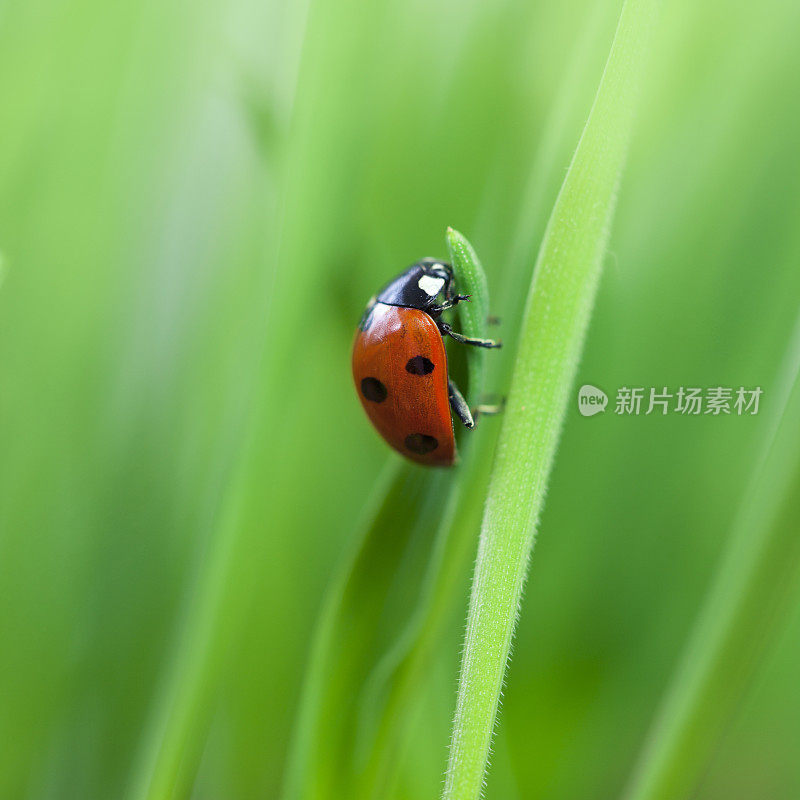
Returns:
(196, 200)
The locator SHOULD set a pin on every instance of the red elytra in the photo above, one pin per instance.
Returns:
(400, 372)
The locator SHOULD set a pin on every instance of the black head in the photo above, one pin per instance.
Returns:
(419, 286)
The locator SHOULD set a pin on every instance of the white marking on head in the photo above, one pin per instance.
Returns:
(430, 285)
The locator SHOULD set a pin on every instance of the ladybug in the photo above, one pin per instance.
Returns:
(400, 363)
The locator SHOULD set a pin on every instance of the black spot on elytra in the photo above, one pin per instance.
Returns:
(421, 443)
(373, 390)
(419, 365)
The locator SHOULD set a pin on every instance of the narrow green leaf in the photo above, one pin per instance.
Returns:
(392, 691)
(556, 319)
(369, 600)
(471, 280)
(753, 583)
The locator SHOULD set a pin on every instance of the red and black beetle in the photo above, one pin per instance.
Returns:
(400, 363)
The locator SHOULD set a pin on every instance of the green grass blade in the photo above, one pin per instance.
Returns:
(367, 603)
(471, 280)
(556, 319)
(394, 686)
(753, 583)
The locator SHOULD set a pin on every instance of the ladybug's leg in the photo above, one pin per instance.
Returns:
(448, 285)
(459, 405)
(449, 302)
(447, 329)
(450, 297)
